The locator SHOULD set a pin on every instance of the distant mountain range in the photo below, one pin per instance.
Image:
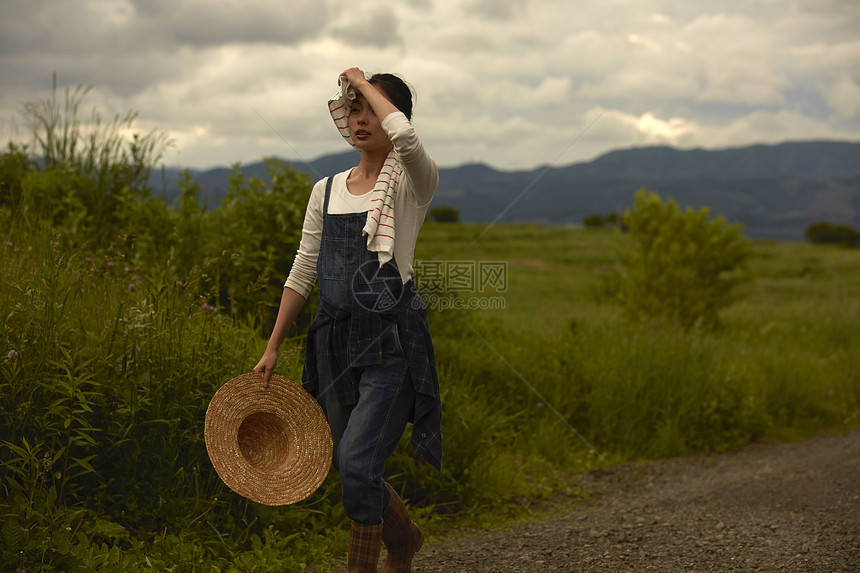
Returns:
(776, 191)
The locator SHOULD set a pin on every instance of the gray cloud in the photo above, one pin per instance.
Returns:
(506, 82)
(202, 23)
(423, 5)
(126, 46)
(378, 29)
(496, 9)
(79, 27)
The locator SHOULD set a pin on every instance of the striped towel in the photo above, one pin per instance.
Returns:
(379, 227)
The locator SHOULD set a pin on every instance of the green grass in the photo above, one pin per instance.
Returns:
(782, 365)
(554, 273)
(551, 272)
(103, 405)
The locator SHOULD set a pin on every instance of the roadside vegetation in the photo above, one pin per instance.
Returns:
(122, 315)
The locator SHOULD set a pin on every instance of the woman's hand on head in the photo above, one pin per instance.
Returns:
(354, 75)
(377, 98)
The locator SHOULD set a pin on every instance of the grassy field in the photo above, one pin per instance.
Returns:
(107, 369)
(554, 274)
(774, 368)
(551, 272)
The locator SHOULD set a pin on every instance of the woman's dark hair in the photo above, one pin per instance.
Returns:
(396, 90)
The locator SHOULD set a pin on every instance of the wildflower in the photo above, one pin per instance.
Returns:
(209, 307)
(12, 354)
(110, 265)
(131, 287)
(8, 243)
(540, 404)
(89, 259)
(127, 269)
(178, 283)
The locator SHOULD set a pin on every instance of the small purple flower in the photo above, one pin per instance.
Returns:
(209, 307)
(178, 283)
(89, 259)
(110, 265)
(113, 243)
(127, 269)
(12, 354)
(9, 243)
(131, 287)
(540, 404)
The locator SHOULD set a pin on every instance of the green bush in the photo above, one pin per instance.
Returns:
(597, 221)
(678, 265)
(93, 191)
(254, 234)
(444, 214)
(94, 183)
(14, 168)
(824, 232)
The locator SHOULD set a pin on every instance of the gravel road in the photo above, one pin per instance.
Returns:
(770, 507)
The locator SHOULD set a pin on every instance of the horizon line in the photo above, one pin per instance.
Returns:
(261, 159)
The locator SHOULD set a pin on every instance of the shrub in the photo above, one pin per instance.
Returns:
(445, 215)
(679, 265)
(14, 168)
(593, 221)
(94, 183)
(824, 232)
(91, 187)
(597, 221)
(257, 229)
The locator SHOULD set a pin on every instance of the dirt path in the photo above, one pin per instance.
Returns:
(771, 507)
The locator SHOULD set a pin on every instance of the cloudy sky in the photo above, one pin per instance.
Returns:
(511, 83)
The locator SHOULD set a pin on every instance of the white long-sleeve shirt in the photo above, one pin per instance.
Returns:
(410, 205)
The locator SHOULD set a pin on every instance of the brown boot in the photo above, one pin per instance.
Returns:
(364, 544)
(401, 535)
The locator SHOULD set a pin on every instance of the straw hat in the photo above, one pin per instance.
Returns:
(271, 445)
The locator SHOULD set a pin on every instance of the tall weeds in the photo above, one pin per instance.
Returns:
(104, 397)
(121, 317)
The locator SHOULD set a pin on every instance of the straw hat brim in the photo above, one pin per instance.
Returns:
(271, 445)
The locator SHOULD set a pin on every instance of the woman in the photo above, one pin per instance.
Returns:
(369, 357)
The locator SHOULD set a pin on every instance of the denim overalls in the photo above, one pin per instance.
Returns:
(369, 362)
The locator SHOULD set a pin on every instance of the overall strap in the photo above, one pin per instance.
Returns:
(327, 193)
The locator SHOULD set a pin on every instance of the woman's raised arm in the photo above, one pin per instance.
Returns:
(377, 100)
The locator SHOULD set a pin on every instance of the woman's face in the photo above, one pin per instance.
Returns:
(365, 127)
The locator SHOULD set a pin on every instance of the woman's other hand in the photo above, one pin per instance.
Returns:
(266, 365)
(291, 305)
